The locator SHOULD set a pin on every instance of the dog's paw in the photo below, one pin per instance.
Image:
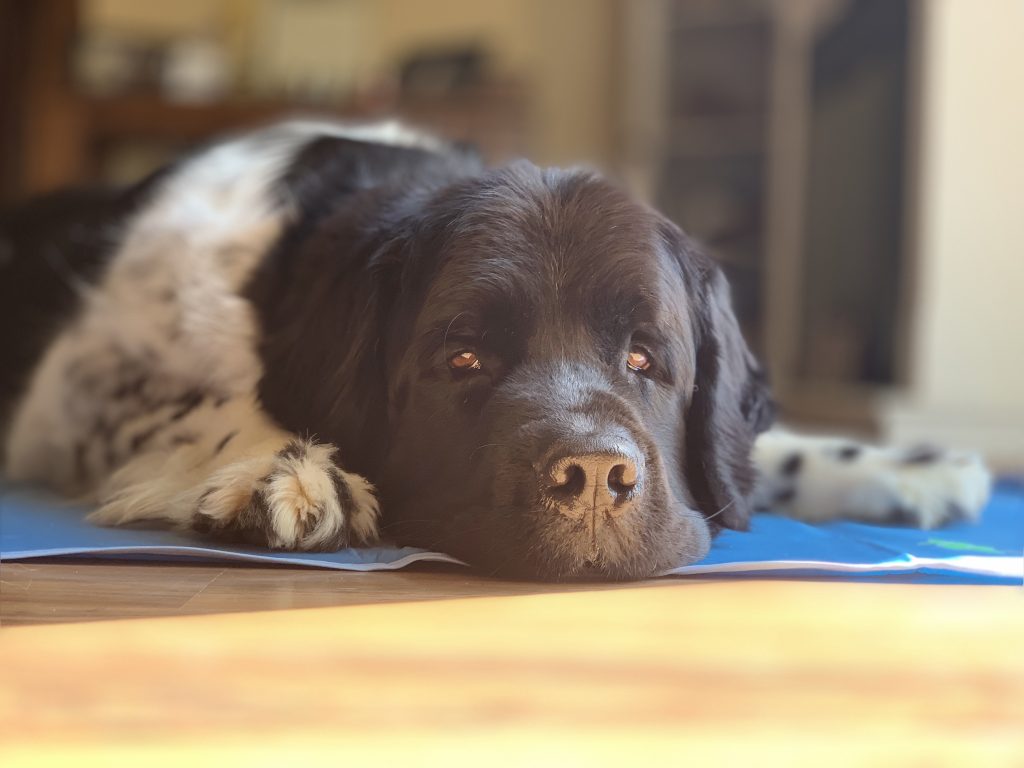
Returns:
(935, 487)
(819, 479)
(927, 488)
(298, 499)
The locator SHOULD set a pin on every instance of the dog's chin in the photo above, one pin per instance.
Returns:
(565, 556)
(531, 544)
(559, 568)
(585, 571)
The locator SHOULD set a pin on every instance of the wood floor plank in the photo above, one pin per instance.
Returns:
(86, 590)
(34, 592)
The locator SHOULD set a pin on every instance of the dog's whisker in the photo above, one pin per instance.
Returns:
(486, 445)
(723, 509)
(499, 568)
(444, 341)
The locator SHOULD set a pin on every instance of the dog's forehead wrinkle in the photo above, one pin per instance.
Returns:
(553, 210)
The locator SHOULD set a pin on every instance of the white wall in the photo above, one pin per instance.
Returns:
(967, 335)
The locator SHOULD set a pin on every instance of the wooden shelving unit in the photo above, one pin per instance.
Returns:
(56, 135)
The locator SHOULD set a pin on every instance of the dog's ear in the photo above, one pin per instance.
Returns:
(730, 404)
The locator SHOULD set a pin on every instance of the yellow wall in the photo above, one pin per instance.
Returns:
(561, 49)
(967, 367)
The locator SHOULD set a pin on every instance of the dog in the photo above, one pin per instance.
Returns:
(313, 335)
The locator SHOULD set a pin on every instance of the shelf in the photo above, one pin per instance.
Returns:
(493, 115)
(153, 118)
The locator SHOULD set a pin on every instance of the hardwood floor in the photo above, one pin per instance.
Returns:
(37, 592)
(160, 664)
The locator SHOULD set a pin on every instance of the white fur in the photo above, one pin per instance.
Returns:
(365, 515)
(200, 238)
(170, 302)
(868, 487)
(166, 481)
(390, 132)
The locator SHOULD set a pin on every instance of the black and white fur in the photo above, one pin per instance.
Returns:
(136, 379)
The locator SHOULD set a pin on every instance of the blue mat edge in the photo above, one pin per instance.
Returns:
(928, 572)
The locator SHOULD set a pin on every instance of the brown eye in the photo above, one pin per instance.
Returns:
(637, 360)
(465, 361)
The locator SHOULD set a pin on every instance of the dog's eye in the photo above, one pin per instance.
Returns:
(638, 360)
(464, 361)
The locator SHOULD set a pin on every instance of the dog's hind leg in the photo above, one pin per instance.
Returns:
(229, 471)
(818, 478)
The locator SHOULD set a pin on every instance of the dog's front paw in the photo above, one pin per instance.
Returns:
(299, 499)
(929, 488)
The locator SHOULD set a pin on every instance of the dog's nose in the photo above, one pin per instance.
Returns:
(593, 481)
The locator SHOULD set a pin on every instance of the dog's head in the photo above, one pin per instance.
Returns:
(568, 393)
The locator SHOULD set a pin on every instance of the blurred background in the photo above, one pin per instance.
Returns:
(854, 164)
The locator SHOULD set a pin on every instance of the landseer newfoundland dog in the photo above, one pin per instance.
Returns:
(314, 335)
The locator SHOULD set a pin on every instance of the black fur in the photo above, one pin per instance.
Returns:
(324, 296)
(922, 454)
(792, 465)
(548, 276)
(850, 452)
(223, 443)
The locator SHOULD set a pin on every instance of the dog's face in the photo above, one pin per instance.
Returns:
(568, 392)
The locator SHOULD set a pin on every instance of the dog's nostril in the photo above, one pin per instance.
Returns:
(568, 481)
(622, 478)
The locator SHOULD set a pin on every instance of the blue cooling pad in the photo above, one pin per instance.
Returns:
(990, 551)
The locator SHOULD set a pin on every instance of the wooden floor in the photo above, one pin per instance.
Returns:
(159, 664)
(61, 591)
